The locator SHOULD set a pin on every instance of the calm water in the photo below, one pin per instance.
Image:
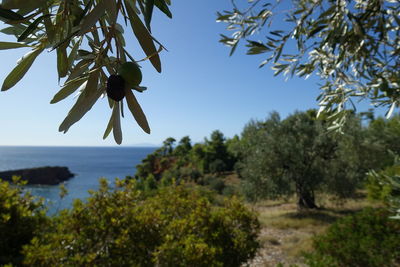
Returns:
(87, 163)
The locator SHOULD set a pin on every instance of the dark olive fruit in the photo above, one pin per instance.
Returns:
(115, 87)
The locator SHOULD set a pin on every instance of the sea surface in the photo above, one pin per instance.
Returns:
(87, 163)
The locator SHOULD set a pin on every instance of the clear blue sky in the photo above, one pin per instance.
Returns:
(201, 89)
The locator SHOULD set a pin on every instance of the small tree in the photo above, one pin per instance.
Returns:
(216, 157)
(168, 146)
(184, 147)
(296, 155)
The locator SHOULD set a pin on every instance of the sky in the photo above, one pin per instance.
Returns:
(201, 89)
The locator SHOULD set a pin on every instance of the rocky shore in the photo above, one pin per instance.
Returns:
(39, 176)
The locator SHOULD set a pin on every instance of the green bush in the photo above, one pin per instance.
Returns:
(379, 186)
(217, 185)
(21, 216)
(368, 239)
(178, 226)
(230, 190)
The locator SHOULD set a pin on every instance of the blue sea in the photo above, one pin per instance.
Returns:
(87, 163)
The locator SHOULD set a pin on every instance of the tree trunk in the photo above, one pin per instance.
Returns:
(306, 200)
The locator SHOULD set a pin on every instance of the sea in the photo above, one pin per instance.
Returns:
(89, 164)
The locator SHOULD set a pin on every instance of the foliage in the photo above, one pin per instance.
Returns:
(21, 218)
(382, 137)
(217, 157)
(89, 45)
(368, 238)
(213, 182)
(178, 226)
(379, 184)
(185, 162)
(385, 186)
(353, 46)
(383, 151)
(296, 155)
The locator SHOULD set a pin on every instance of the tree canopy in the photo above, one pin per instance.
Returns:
(353, 46)
(88, 40)
(296, 155)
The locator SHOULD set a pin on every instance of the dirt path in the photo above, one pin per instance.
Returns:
(274, 250)
(286, 233)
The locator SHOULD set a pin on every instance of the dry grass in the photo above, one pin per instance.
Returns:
(287, 233)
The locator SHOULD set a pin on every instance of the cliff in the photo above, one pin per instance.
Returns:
(41, 175)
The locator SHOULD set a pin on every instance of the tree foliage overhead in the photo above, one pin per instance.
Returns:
(89, 43)
(353, 46)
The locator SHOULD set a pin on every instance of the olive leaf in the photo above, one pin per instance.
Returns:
(62, 61)
(22, 4)
(31, 28)
(78, 70)
(8, 45)
(148, 12)
(50, 29)
(391, 109)
(68, 89)
(117, 132)
(109, 125)
(9, 15)
(20, 70)
(136, 110)
(74, 53)
(111, 8)
(144, 37)
(161, 5)
(91, 19)
(15, 30)
(85, 102)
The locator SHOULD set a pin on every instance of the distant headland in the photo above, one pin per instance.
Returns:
(39, 176)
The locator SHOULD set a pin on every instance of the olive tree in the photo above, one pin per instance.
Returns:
(297, 156)
(353, 46)
(88, 41)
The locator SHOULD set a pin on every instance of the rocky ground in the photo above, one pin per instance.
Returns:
(286, 234)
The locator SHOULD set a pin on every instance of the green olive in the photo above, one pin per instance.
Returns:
(131, 73)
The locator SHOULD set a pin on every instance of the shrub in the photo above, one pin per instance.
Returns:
(229, 191)
(217, 166)
(379, 186)
(178, 226)
(21, 216)
(217, 184)
(368, 238)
